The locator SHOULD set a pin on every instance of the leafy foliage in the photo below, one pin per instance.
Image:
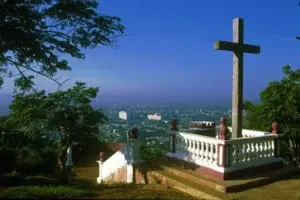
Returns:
(280, 102)
(154, 150)
(55, 120)
(35, 35)
(25, 154)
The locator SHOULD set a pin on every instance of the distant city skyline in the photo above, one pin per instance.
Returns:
(169, 56)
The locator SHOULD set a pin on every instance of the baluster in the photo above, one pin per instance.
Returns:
(272, 148)
(191, 147)
(244, 158)
(194, 148)
(202, 151)
(187, 145)
(252, 152)
(268, 149)
(180, 140)
(248, 158)
(198, 149)
(206, 152)
(215, 156)
(256, 150)
(260, 149)
(264, 149)
(237, 152)
(249, 152)
(243, 153)
(209, 152)
(240, 153)
(246, 154)
(178, 144)
(233, 154)
(211, 155)
(182, 145)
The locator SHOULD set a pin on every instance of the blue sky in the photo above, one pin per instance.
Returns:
(169, 53)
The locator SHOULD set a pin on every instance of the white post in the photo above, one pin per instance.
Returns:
(130, 173)
(100, 177)
(69, 162)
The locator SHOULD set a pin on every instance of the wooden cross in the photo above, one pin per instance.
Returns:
(238, 48)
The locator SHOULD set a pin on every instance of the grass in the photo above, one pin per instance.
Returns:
(288, 189)
(126, 191)
(16, 186)
(83, 185)
(139, 191)
(43, 192)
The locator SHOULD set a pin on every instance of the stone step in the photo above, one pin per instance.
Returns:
(185, 185)
(186, 167)
(189, 172)
(199, 180)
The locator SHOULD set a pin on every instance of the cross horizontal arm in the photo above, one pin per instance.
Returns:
(236, 47)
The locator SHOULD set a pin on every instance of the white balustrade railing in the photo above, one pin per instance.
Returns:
(252, 151)
(227, 155)
(196, 148)
(251, 133)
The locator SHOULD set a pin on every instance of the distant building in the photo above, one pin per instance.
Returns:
(123, 115)
(154, 117)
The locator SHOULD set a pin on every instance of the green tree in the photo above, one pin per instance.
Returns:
(63, 116)
(280, 101)
(36, 36)
(24, 153)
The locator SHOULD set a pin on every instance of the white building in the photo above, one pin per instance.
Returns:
(154, 117)
(123, 115)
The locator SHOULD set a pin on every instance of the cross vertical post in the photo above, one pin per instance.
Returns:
(238, 48)
(237, 80)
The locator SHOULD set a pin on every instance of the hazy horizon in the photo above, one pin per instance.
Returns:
(169, 55)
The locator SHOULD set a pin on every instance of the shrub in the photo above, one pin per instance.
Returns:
(154, 150)
(7, 159)
(44, 192)
(16, 179)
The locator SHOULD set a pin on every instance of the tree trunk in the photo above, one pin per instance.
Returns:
(62, 157)
(64, 177)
